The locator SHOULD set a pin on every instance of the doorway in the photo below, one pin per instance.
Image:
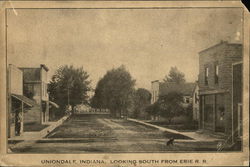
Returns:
(219, 113)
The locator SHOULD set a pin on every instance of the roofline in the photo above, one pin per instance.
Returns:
(41, 66)
(238, 62)
(155, 81)
(181, 83)
(45, 67)
(218, 44)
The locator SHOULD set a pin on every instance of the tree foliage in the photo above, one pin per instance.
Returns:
(153, 109)
(114, 91)
(175, 76)
(170, 105)
(69, 83)
(141, 101)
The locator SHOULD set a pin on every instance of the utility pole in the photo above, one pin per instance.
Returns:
(68, 95)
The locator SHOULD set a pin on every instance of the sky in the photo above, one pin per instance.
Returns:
(147, 41)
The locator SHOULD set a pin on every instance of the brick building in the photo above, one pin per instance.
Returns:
(220, 88)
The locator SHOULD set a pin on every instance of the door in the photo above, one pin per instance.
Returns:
(220, 113)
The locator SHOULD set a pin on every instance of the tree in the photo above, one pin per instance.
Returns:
(153, 109)
(141, 101)
(170, 105)
(69, 85)
(115, 91)
(175, 76)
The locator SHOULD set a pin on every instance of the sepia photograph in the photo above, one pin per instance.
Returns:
(92, 80)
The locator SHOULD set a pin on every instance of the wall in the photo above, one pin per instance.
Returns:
(31, 74)
(155, 86)
(15, 80)
(15, 86)
(208, 59)
(35, 89)
(224, 55)
(44, 93)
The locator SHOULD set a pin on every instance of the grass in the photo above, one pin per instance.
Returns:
(177, 125)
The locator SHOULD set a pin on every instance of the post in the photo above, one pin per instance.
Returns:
(214, 112)
(21, 120)
(68, 94)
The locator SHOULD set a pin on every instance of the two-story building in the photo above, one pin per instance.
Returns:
(35, 87)
(220, 88)
(162, 88)
(18, 104)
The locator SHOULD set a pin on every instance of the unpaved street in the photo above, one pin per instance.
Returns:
(99, 133)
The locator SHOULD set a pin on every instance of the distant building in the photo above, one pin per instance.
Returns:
(35, 87)
(155, 88)
(195, 101)
(17, 102)
(220, 88)
(160, 89)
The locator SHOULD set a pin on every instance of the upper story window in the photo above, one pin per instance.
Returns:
(216, 76)
(206, 76)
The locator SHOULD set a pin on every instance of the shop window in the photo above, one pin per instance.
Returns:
(208, 109)
(220, 113)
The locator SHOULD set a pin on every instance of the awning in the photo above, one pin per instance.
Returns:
(210, 92)
(54, 104)
(24, 99)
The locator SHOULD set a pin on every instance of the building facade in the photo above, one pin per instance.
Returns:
(155, 89)
(161, 88)
(195, 101)
(17, 102)
(35, 87)
(219, 102)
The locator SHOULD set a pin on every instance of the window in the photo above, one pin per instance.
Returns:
(206, 76)
(208, 109)
(187, 100)
(216, 76)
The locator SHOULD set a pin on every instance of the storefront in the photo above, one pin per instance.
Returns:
(214, 112)
(17, 105)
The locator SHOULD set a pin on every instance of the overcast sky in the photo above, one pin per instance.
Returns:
(147, 41)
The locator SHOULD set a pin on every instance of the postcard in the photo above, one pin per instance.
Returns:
(124, 83)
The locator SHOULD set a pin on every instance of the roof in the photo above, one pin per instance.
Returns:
(41, 66)
(25, 99)
(45, 67)
(220, 44)
(184, 88)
